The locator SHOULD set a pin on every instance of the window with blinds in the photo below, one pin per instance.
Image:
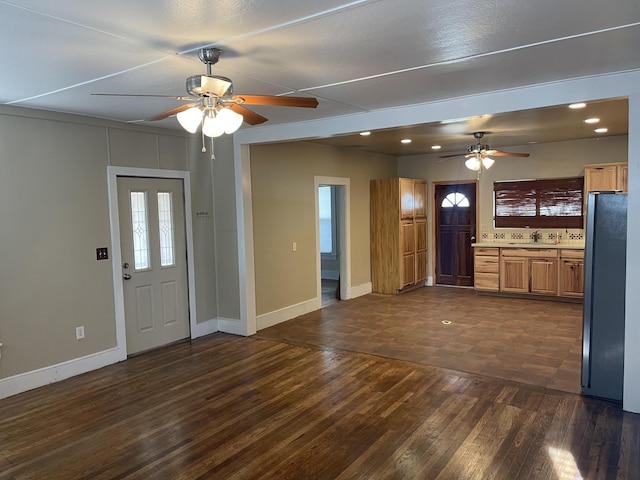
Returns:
(548, 203)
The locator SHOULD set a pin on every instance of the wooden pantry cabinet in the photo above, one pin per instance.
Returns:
(606, 176)
(398, 234)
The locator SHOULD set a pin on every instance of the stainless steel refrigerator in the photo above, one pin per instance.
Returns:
(604, 295)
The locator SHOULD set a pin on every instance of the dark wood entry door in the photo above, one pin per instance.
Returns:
(455, 231)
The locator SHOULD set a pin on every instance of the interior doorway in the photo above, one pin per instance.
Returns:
(332, 199)
(455, 226)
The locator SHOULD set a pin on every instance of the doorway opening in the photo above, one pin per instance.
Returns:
(332, 198)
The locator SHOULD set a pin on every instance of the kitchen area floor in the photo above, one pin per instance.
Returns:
(537, 342)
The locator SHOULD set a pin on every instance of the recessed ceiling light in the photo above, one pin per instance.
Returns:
(405, 140)
(592, 120)
(365, 134)
(577, 105)
(435, 147)
(601, 130)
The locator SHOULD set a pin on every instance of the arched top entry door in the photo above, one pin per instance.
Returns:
(455, 231)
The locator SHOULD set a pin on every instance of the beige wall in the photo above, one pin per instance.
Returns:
(559, 159)
(54, 214)
(282, 188)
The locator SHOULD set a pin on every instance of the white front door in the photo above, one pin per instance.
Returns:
(154, 261)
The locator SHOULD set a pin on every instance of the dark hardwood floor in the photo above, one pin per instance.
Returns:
(225, 407)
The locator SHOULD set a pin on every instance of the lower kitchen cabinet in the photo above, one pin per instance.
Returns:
(572, 273)
(514, 274)
(539, 271)
(486, 270)
(544, 276)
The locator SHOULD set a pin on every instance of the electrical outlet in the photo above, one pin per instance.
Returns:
(79, 333)
(102, 253)
(294, 247)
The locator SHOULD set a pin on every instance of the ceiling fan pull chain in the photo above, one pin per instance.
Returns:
(213, 157)
(204, 149)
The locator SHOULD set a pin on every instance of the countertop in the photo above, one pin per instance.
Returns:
(515, 244)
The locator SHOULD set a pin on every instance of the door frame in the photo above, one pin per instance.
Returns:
(343, 208)
(113, 172)
(434, 243)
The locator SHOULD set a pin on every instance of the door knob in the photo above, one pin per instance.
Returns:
(126, 276)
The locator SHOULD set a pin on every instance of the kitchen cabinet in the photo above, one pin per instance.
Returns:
(543, 276)
(572, 273)
(606, 176)
(486, 269)
(556, 271)
(514, 274)
(398, 234)
(529, 270)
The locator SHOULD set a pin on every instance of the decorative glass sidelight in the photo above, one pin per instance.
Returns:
(140, 229)
(165, 228)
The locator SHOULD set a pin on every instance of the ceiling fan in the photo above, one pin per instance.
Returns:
(483, 150)
(213, 104)
(479, 155)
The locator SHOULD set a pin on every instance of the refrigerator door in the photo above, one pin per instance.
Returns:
(604, 296)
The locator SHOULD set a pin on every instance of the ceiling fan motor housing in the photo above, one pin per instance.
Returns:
(209, 86)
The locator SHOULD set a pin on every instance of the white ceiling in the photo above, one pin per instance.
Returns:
(354, 56)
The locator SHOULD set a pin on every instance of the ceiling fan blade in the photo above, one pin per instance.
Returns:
(461, 154)
(177, 97)
(251, 117)
(305, 102)
(171, 112)
(498, 153)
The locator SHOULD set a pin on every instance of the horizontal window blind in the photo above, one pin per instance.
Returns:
(548, 203)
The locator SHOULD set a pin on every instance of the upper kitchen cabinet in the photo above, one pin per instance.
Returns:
(606, 176)
(398, 234)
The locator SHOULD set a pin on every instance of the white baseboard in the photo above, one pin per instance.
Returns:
(205, 328)
(429, 281)
(360, 290)
(44, 376)
(287, 313)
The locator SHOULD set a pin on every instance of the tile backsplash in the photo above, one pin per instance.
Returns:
(526, 236)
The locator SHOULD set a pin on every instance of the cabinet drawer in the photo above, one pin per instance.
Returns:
(530, 252)
(487, 264)
(574, 254)
(486, 281)
(487, 251)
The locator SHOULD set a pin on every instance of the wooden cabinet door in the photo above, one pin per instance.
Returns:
(544, 276)
(514, 274)
(604, 177)
(407, 238)
(406, 198)
(623, 178)
(421, 250)
(420, 198)
(408, 270)
(572, 278)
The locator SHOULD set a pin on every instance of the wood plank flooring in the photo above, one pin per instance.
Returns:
(226, 407)
(537, 342)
